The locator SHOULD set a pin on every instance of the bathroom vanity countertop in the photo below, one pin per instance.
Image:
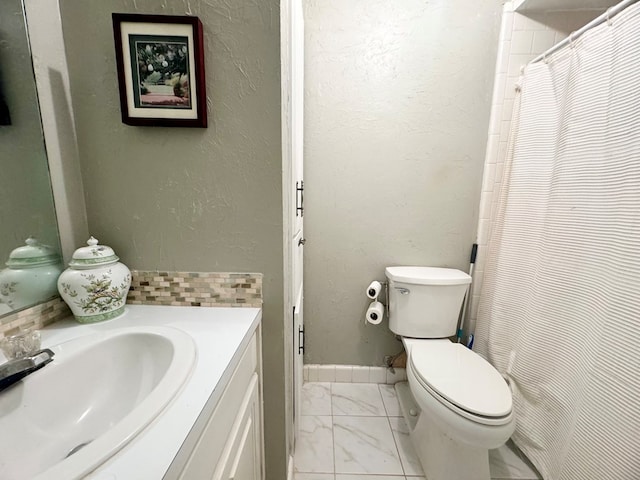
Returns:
(220, 336)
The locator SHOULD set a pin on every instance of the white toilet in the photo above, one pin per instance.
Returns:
(456, 404)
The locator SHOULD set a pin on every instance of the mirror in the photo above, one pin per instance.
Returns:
(26, 198)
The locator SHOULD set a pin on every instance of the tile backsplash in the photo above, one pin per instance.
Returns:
(200, 289)
(34, 318)
(196, 289)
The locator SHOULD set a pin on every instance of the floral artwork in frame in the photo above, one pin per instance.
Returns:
(160, 62)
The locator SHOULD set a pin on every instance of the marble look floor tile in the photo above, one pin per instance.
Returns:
(316, 399)
(313, 476)
(370, 477)
(365, 445)
(410, 462)
(390, 400)
(314, 445)
(508, 463)
(357, 399)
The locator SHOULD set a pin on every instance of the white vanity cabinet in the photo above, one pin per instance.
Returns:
(212, 426)
(227, 441)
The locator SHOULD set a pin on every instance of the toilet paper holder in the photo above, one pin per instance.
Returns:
(374, 289)
(375, 295)
(371, 292)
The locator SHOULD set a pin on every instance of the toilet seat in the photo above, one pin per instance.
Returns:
(461, 380)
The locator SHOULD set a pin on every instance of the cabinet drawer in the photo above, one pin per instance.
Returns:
(209, 447)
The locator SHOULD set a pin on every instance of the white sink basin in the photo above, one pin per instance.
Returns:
(67, 418)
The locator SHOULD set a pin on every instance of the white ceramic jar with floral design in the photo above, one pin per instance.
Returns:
(31, 275)
(96, 284)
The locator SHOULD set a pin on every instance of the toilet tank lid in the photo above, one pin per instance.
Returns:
(427, 275)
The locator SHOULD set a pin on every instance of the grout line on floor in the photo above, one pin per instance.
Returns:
(384, 405)
(333, 436)
(331, 400)
(404, 470)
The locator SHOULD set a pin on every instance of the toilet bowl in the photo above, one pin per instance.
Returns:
(457, 405)
(465, 396)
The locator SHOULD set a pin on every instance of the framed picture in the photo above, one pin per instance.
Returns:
(160, 63)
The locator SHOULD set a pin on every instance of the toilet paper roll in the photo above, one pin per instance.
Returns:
(375, 313)
(373, 290)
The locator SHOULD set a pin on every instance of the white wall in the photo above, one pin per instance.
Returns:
(396, 117)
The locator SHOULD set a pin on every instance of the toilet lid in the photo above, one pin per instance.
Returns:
(462, 377)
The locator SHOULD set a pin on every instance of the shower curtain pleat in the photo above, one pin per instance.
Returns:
(559, 311)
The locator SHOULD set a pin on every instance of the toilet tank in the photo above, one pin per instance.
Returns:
(425, 302)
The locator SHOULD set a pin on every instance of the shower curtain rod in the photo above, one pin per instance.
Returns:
(606, 16)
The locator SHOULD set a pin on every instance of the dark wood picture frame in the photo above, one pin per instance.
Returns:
(160, 60)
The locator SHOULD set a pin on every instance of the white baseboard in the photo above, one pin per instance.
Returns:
(353, 374)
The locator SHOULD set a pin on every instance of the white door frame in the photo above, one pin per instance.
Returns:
(292, 97)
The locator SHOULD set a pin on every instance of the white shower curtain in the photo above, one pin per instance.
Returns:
(559, 311)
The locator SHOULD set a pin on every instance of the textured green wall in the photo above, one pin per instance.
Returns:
(397, 107)
(192, 199)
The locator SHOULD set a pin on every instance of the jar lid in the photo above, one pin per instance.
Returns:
(32, 254)
(93, 255)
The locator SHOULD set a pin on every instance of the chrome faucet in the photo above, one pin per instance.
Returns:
(18, 368)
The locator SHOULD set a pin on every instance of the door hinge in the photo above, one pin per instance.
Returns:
(300, 199)
(300, 340)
